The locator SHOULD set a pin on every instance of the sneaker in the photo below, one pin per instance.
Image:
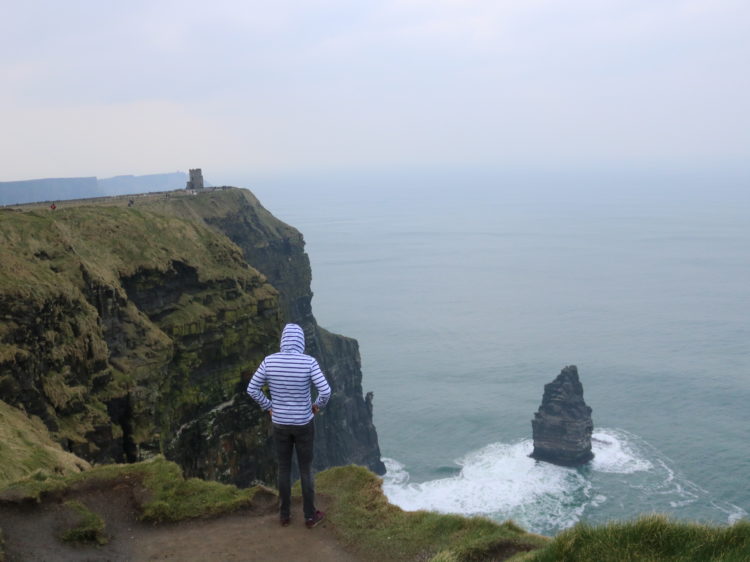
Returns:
(285, 521)
(315, 519)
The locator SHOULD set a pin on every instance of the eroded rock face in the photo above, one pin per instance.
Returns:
(562, 426)
(345, 433)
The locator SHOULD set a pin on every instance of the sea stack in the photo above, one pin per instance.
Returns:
(562, 426)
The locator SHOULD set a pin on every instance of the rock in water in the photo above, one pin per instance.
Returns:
(562, 427)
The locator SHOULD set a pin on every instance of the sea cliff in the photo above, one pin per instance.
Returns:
(131, 330)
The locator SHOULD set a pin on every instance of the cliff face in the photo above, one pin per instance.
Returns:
(562, 427)
(118, 326)
(132, 331)
(344, 429)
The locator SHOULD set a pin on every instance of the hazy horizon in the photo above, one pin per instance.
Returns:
(329, 87)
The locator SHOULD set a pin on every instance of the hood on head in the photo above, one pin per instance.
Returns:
(292, 339)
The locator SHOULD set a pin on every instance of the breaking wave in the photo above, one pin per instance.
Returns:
(627, 477)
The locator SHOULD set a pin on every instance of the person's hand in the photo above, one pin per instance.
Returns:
(270, 412)
(315, 409)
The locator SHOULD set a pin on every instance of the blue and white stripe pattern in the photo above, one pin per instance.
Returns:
(288, 375)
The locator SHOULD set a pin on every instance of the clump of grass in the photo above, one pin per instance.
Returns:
(89, 528)
(378, 530)
(33, 487)
(652, 538)
(174, 498)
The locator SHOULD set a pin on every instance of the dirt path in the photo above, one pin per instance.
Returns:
(242, 537)
(31, 534)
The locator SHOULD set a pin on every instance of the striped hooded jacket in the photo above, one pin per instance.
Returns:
(288, 375)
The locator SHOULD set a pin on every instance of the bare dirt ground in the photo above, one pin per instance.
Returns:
(32, 532)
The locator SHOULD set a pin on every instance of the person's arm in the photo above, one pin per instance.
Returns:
(255, 388)
(320, 382)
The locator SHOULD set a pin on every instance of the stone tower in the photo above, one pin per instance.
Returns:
(195, 180)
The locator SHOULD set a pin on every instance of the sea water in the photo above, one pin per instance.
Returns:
(469, 293)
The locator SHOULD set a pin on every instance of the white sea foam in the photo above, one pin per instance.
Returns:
(614, 453)
(501, 481)
(733, 512)
(395, 473)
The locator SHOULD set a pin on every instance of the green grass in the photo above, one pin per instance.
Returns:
(88, 530)
(40, 250)
(378, 530)
(652, 538)
(175, 498)
(166, 494)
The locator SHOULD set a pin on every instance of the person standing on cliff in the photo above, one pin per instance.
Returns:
(288, 375)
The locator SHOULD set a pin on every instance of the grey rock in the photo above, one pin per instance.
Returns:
(562, 426)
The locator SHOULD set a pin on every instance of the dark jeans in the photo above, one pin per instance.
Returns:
(299, 437)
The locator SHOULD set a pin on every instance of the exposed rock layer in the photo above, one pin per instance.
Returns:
(118, 326)
(562, 426)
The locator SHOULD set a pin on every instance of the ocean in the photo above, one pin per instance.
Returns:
(468, 292)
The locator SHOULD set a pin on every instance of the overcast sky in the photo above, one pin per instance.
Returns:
(105, 88)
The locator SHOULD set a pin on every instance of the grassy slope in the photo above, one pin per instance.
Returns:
(26, 447)
(382, 531)
(220, 204)
(379, 530)
(650, 538)
(40, 248)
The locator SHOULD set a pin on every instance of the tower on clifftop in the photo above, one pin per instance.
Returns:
(195, 180)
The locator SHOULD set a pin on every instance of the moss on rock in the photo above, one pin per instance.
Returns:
(118, 325)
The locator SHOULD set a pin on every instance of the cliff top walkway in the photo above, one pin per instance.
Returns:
(113, 200)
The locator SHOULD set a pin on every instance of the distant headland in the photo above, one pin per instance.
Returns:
(64, 189)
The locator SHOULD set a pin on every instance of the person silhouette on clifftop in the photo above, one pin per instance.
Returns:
(288, 375)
